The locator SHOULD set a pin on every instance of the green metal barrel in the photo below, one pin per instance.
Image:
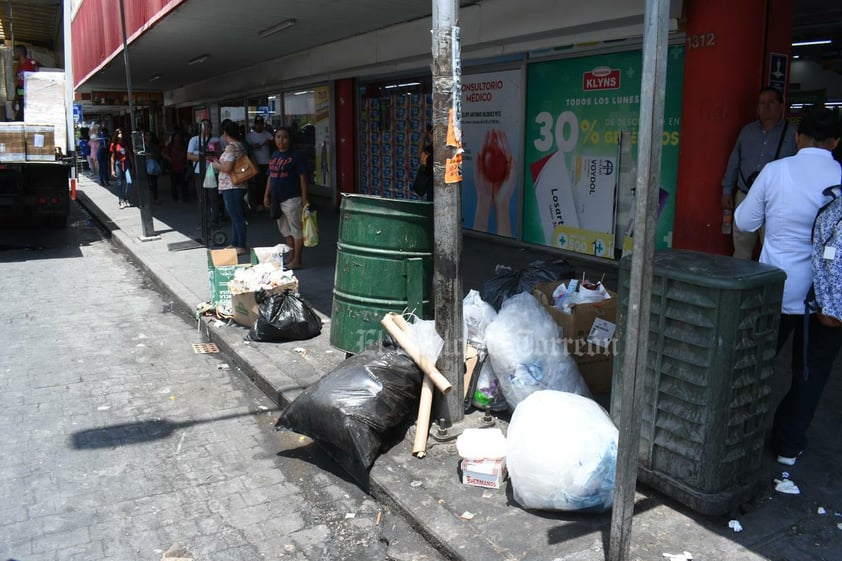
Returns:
(384, 263)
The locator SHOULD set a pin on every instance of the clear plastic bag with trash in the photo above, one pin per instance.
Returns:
(527, 354)
(562, 453)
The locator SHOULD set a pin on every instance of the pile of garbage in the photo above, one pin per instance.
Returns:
(561, 448)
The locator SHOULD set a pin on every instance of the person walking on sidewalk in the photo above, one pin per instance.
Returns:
(121, 168)
(205, 141)
(786, 198)
(233, 195)
(286, 193)
(260, 140)
(102, 158)
(760, 142)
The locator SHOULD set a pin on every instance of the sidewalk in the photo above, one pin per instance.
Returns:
(428, 492)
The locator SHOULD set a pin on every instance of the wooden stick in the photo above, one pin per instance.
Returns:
(422, 425)
(426, 365)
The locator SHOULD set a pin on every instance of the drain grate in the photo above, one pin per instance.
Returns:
(205, 348)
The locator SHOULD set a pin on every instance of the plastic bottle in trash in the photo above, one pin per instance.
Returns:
(727, 219)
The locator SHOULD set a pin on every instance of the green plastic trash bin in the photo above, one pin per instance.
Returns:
(712, 341)
(384, 263)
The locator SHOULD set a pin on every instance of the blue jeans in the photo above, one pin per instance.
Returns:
(236, 207)
(123, 186)
(102, 166)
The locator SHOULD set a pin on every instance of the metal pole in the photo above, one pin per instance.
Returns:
(447, 204)
(653, 84)
(140, 180)
(68, 85)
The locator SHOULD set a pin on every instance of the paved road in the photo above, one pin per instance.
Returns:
(119, 441)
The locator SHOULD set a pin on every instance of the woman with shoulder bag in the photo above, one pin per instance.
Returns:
(233, 195)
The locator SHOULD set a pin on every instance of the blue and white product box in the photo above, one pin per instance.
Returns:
(400, 151)
(386, 193)
(374, 182)
(400, 126)
(414, 163)
(415, 111)
(414, 136)
(386, 137)
(375, 149)
(375, 192)
(375, 137)
(386, 182)
(400, 164)
(400, 138)
(400, 170)
(400, 113)
(400, 184)
(387, 161)
(375, 160)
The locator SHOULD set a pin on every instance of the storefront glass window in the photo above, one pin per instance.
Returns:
(307, 114)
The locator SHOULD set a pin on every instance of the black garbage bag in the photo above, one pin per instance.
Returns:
(283, 316)
(359, 406)
(507, 282)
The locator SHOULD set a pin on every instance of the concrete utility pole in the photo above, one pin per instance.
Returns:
(447, 209)
(652, 91)
(139, 177)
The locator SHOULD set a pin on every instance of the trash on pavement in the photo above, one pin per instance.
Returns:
(269, 276)
(786, 486)
(735, 525)
(562, 453)
(467, 515)
(507, 282)
(526, 352)
(685, 556)
(588, 326)
(483, 453)
(283, 316)
(359, 406)
(222, 264)
(423, 344)
(821, 510)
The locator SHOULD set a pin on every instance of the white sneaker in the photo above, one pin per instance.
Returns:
(789, 461)
(122, 204)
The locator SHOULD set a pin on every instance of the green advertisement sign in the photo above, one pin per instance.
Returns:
(578, 187)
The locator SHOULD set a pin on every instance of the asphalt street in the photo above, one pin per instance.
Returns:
(120, 441)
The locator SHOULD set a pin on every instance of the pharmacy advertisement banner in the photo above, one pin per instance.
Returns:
(492, 121)
(576, 196)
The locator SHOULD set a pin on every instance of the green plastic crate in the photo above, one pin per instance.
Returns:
(712, 341)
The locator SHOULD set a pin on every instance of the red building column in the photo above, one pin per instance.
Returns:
(726, 64)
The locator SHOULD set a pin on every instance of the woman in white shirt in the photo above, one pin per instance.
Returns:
(786, 198)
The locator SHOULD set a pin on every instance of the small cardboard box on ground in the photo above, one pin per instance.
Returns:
(12, 142)
(484, 473)
(222, 263)
(586, 331)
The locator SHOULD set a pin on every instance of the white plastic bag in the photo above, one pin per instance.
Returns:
(478, 315)
(526, 352)
(562, 453)
(488, 394)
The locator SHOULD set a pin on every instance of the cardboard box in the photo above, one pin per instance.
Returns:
(244, 305)
(12, 142)
(44, 104)
(40, 143)
(484, 473)
(589, 333)
(221, 266)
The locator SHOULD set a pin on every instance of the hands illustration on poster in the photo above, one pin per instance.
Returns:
(495, 182)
